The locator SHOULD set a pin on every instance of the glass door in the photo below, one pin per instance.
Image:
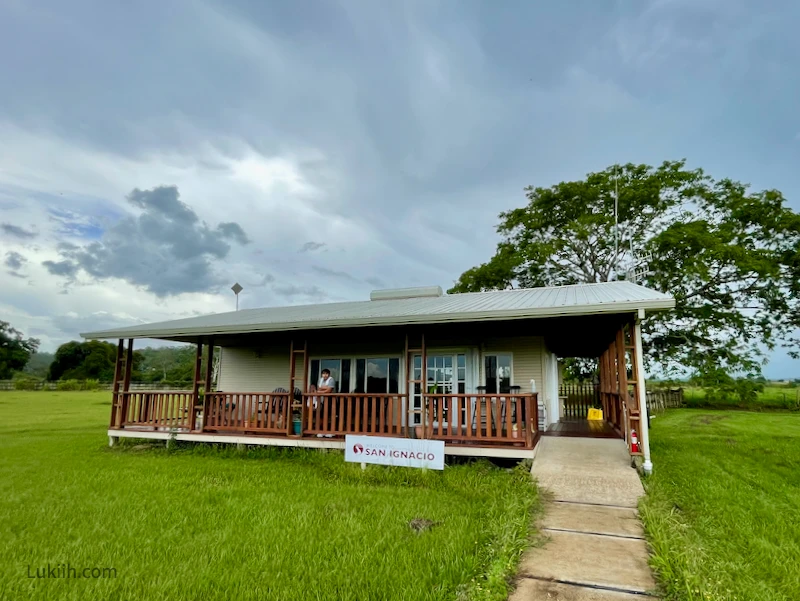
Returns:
(446, 373)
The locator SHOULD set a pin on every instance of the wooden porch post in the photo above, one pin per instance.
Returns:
(641, 401)
(622, 371)
(207, 383)
(425, 418)
(117, 418)
(610, 385)
(198, 366)
(292, 404)
(126, 381)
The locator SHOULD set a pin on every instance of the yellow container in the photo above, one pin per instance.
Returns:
(595, 414)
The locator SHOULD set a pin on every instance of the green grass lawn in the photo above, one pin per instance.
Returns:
(780, 398)
(205, 522)
(723, 505)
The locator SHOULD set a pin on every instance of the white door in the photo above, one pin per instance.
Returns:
(446, 374)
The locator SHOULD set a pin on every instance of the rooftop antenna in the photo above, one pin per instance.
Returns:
(236, 290)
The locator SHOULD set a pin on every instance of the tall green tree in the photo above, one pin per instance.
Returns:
(15, 351)
(91, 360)
(169, 363)
(730, 257)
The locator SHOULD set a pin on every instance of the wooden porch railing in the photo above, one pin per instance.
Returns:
(578, 399)
(482, 419)
(246, 412)
(470, 419)
(340, 414)
(154, 409)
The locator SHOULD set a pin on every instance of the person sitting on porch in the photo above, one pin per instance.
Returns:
(326, 384)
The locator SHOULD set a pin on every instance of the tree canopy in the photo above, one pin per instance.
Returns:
(730, 257)
(92, 360)
(95, 360)
(167, 364)
(15, 351)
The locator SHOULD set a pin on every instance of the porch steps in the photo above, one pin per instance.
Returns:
(595, 548)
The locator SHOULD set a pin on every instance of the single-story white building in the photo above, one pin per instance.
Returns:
(478, 371)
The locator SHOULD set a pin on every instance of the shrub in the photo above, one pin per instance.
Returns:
(91, 385)
(68, 385)
(25, 384)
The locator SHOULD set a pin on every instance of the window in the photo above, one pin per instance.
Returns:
(497, 373)
(446, 374)
(340, 372)
(379, 375)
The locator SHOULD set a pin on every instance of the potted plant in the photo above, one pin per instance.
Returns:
(252, 422)
(424, 429)
(297, 423)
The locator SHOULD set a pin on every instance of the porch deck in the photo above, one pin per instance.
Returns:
(582, 428)
(470, 424)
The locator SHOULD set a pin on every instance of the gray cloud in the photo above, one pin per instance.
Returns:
(342, 275)
(163, 201)
(377, 282)
(14, 260)
(311, 246)
(15, 230)
(267, 278)
(233, 230)
(73, 325)
(292, 291)
(166, 249)
(415, 146)
(64, 268)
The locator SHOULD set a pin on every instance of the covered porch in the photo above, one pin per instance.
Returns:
(429, 393)
(620, 392)
(478, 371)
(430, 400)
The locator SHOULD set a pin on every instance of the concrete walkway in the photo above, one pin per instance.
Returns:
(596, 549)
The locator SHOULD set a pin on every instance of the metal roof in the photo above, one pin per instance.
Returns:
(579, 299)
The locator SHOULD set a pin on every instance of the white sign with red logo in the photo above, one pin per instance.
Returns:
(384, 450)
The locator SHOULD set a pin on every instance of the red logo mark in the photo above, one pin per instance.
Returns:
(357, 448)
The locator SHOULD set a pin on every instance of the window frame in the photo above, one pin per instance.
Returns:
(401, 379)
(496, 354)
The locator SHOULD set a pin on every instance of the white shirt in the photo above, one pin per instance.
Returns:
(329, 381)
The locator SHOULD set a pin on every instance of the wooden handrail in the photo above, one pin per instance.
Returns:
(333, 414)
(481, 418)
(153, 409)
(462, 418)
(265, 412)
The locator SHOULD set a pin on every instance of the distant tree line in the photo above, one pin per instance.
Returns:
(89, 360)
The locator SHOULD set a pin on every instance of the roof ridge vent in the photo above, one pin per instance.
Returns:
(399, 293)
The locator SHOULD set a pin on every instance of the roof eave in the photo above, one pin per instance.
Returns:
(536, 313)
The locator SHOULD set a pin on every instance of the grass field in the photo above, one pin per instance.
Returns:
(723, 505)
(780, 398)
(203, 522)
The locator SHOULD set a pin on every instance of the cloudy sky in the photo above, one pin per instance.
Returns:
(153, 153)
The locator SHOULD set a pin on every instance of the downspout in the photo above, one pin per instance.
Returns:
(647, 466)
